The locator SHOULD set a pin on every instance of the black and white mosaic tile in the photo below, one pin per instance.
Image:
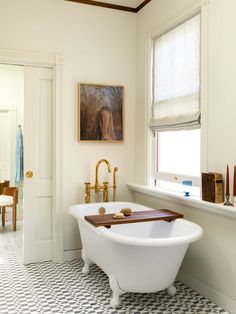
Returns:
(62, 288)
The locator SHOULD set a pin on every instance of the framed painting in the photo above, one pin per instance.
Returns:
(100, 112)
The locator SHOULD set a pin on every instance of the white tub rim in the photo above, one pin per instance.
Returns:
(195, 235)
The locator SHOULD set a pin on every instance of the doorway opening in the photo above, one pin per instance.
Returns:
(11, 148)
(42, 125)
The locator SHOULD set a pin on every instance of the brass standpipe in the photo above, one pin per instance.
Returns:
(114, 183)
(105, 192)
(97, 187)
(87, 192)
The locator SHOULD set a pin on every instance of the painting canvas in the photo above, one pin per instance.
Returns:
(100, 112)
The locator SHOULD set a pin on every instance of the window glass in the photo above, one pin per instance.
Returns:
(179, 152)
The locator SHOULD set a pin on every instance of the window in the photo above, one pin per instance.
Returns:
(175, 120)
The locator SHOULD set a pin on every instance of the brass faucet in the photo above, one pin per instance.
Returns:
(97, 187)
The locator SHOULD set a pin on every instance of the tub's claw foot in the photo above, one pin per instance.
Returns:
(87, 263)
(115, 300)
(171, 290)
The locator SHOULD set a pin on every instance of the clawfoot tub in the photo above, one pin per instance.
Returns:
(139, 257)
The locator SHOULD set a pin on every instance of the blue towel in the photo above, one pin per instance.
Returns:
(19, 157)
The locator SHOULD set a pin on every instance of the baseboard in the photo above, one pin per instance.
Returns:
(69, 255)
(214, 295)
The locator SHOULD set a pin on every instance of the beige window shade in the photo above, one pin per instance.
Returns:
(176, 77)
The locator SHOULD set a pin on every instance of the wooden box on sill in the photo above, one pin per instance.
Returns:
(212, 187)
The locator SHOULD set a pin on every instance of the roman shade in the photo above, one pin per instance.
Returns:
(176, 78)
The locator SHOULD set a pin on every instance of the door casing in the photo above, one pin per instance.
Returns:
(55, 62)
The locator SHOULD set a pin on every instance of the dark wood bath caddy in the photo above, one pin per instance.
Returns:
(107, 220)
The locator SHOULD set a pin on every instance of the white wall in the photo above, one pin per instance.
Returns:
(12, 90)
(99, 47)
(12, 101)
(222, 92)
(211, 260)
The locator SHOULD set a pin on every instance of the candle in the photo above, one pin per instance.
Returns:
(227, 180)
(234, 181)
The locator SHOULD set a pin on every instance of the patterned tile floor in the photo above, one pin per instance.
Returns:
(62, 288)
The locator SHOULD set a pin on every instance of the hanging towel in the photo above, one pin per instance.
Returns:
(19, 156)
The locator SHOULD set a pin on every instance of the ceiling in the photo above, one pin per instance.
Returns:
(128, 3)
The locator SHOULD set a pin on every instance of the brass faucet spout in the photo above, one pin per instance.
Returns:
(97, 189)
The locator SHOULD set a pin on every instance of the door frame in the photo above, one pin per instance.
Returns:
(55, 62)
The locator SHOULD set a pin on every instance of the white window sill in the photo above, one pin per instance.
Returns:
(190, 201)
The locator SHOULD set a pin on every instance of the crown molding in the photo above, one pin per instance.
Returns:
(30, 58)
(112, 6)
(142, 5)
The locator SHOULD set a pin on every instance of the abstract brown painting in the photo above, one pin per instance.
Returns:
(100, 112)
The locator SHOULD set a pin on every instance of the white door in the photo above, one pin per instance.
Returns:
(5, 145)
(37, 164)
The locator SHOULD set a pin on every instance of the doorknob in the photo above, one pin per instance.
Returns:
(29, 174)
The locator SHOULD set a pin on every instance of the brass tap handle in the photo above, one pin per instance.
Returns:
(114, 183)
(105, 192)
(87, 192)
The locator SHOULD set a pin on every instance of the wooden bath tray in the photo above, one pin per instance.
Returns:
(148, 215)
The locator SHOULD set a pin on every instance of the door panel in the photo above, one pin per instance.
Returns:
(45, 129)
(38, 159)
(44, 219)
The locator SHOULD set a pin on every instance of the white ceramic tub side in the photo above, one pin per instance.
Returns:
(137, 257)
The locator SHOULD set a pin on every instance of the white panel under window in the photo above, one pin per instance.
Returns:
(176, 77)
(179, 152)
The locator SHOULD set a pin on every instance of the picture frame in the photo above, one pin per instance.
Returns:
(100, 113)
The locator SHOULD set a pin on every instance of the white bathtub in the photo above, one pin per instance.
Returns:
(138, 257)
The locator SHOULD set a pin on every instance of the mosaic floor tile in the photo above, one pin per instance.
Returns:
(63, 289)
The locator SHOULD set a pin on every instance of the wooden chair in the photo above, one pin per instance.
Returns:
(10, 191)
(4, 184)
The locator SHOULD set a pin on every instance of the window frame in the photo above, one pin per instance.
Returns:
(152, 174)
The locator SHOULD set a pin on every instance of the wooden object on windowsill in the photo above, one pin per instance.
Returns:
(141, 216)
(212, 187)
